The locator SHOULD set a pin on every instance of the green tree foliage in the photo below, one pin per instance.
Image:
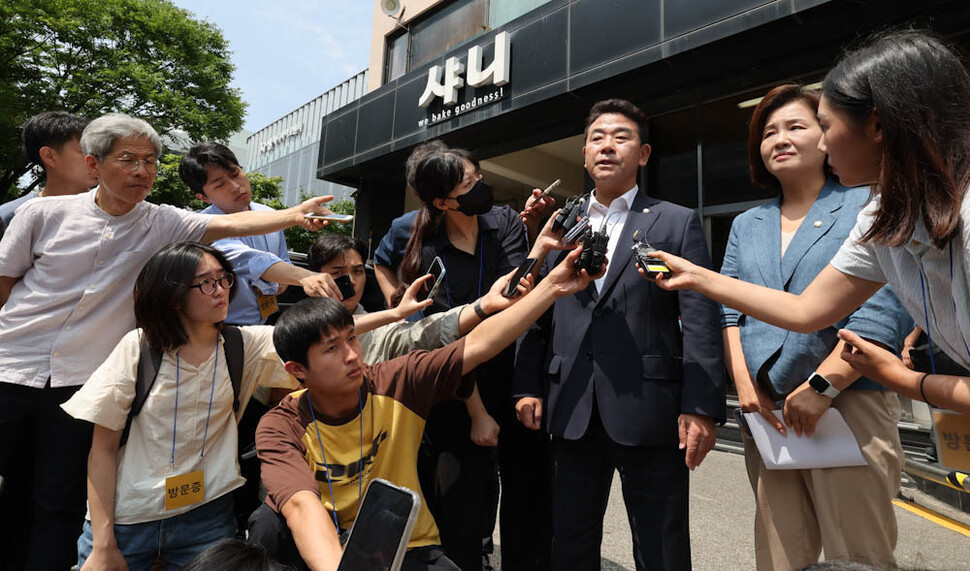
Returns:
(299, 239)
(169, 188)
(147, 58)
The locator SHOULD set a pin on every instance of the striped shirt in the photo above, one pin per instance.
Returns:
(919, 271)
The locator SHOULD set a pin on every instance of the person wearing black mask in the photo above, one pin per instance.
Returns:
(478, 243)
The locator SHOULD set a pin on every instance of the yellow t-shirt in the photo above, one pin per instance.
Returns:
(379, 441)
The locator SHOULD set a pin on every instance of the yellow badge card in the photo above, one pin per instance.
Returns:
(267, 305)
(184, 489)
(952, 439)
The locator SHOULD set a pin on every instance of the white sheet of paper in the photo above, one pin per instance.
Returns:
(832, 445)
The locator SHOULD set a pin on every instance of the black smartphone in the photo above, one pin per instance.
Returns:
(346, 286)
(381, 531)
(524, 268)
(437, 270)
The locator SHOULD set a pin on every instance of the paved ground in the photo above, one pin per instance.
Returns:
(722, 524)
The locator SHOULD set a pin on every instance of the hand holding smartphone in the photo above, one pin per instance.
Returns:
(381, 531)
(523, 270)
(437, 270)
(332, 217)
(346, 286)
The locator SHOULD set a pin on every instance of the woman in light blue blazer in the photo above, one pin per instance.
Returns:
(783, 245)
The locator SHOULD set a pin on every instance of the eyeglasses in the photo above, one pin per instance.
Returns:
(208, 286)
(131, 165)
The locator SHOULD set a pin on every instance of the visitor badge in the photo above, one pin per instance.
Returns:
(267, 305)
(952, 432)
(184, 489)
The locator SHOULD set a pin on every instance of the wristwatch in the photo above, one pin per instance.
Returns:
(822, 386)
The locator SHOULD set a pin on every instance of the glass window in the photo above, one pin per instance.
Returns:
(726, 177)
(501, 12)
(672, 167)
(450, 26)
(397, 57)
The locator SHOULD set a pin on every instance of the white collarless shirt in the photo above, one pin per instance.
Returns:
(614, 216)
(76, 266)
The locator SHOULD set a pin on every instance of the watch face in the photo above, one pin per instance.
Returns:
(818, 383)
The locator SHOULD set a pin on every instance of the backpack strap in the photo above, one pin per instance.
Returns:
(150, 360)
(148, 364)
(233, 346)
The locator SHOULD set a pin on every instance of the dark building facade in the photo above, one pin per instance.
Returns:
(695, 66)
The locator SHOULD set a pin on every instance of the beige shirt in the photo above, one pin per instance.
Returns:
(145, 461)
(77, 267)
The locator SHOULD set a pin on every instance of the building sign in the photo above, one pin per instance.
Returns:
(445, 83)
(280, 137)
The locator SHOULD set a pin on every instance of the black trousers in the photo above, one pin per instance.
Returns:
(269, 529)
(655, 491)
(43, 461)
(455, 480)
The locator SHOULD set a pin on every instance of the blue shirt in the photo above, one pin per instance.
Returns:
(390, 252)
(754, 255)
(250, 257)
(7, 208)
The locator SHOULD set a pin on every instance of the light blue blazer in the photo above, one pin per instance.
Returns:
(754, 255)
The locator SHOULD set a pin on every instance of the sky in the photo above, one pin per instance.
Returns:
(288, 53)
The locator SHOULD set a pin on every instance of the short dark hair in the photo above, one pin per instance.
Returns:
(306, 323)
(921, 91)
(50, 129)
(329, 246)
(771, 102)
(161, 288)
(620, 107)
(192, 167)
(233, 554)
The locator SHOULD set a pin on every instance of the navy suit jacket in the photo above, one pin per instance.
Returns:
(647, 355)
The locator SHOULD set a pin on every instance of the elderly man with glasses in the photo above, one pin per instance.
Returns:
(67, 270)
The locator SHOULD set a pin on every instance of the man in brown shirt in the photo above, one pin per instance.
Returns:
(321, 446)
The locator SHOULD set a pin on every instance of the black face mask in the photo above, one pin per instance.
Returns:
(476, 201)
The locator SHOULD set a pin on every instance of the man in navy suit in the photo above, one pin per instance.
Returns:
(625, 376)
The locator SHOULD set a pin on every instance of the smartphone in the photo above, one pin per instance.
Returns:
(576, 231)
(333, 217)
(524, 268)
(381, 531)
(346, 286)
(437, 270)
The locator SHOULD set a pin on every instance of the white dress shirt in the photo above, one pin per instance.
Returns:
(615, 217)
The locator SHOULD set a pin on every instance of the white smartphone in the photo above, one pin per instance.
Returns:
(437, 270)
(380, 533)
(343, 218)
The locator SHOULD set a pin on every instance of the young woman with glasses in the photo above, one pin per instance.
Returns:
(165, 493)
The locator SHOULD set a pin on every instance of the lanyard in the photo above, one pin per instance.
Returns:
(212, 389)
(926, 313)
(481, 268)
(360, 468)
